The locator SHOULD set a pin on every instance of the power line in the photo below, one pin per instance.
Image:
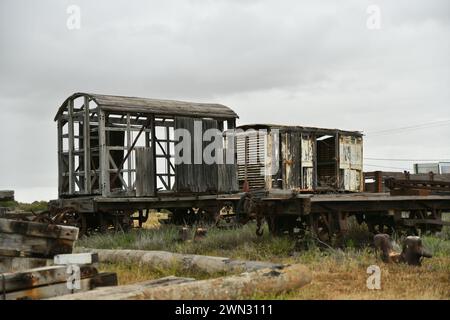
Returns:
(388, 159)
(403, 129)
(386, 167)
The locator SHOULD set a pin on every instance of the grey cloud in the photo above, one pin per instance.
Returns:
(291, 62)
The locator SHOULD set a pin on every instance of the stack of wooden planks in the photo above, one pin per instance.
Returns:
(6, 195)
(25, 244)
(36, 262)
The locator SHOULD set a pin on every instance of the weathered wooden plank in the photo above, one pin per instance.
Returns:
(104, 159)
(15, 264)
(87, 147)
(163, 259)
(184, 171)
(210, 170)
(71, 148)
(17, 245)
(144, 172)
(36, 277)
(106, 292)
(248, 284)
(60, 289)
(36, 229)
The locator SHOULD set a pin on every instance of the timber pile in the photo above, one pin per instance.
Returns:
(57, 280)
(36, 262)
(6, 195)
(248, 284)
(165, 260)
(24, 239)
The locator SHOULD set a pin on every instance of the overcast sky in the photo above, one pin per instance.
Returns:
(287, 62)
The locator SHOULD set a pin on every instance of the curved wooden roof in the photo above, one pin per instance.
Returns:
(154, 106)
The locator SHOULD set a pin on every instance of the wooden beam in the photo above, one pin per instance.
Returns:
(60, 159)
(245, 285)
(104, 152)
(129, 186)
(87, 147)
(41, 276)
(36, 229)
(164, 259)
(60, 289)
(162, 282)
(71, 149)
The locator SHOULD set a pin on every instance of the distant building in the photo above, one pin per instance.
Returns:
(436, 168)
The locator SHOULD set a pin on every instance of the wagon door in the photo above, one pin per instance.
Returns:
(307, 162)
(192, 174)
(145, 171)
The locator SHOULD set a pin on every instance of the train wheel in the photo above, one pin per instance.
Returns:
(73, 218)
(43, 217)
(321, 227)
(282, 224)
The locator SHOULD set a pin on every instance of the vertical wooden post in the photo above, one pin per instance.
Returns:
(71, 149)
(168, 157)
(315, 159)
(60, 160)
(155, 178)
(378, 181)
(337, 156)
(87, 148)
(104, 155)
(129, 143)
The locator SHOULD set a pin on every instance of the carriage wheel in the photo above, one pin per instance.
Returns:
(73, 218)
(43, 217)
(321, 227)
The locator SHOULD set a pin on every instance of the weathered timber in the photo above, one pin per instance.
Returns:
(17, 245)
(38, 229)
(248, 284)
(31, 278)
(60, 289)
(164, 259)
(100, 292)
(15, 264)
(6, 195)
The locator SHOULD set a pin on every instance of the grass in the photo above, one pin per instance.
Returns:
(337, 274)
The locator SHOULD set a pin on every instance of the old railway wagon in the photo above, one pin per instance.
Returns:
(116, 156)
(303, 179)
(301, 158)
